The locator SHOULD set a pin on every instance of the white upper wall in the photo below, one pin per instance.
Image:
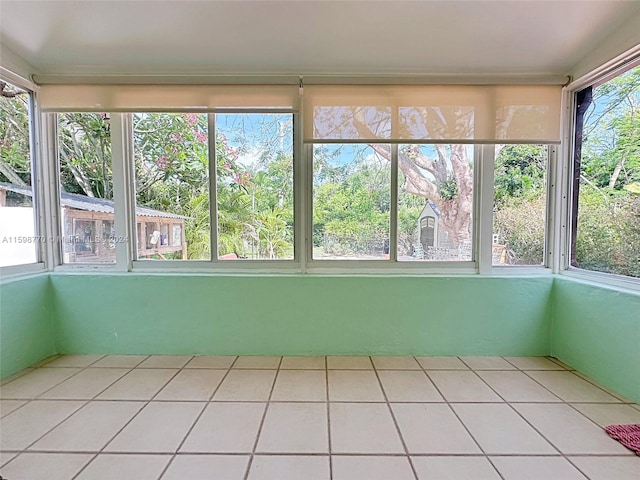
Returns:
(306, 37)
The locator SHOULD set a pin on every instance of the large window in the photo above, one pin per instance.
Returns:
(384, 176)
(86, 188)
(18, 240)
(606, 203)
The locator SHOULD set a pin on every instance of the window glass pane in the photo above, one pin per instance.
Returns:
(435, 202)
(86, 188)
(519, 211)
(254, 184)
(607, 238)
(18, 243)
(172, 186)
(351, 202)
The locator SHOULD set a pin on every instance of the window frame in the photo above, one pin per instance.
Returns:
(124, 199)
(566, 207)
(39, 176)
(551, 198)
(214, 264)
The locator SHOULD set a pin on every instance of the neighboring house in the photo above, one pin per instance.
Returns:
(89, 229)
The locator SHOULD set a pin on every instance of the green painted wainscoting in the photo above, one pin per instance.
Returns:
(596, 330)
(301, 314)
(26, 323)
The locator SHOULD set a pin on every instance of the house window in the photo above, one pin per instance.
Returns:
(171, 157)
(520, 203)
(86, 188)
(254, 186)
(18, 241)
(176, 238)
(606, 188)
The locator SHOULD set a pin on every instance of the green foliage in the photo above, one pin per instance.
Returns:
(197, 227)
(608, 234)
(84, 148)
(520, 224)
(351, 206)
(449, 188)
(519, 202)
(608, 237)
(519, 172)
(272, 234)
(14, 140)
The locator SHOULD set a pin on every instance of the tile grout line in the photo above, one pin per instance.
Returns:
(570, 404)
(264, 416)
(269, 401)
(199, 416)
(26, 402)
(145, 404)
(563, 401)
(86, 401)
(527, 421)
(395, 421)
(485, 455)
(560, 363)
(617, 396)
(326, 381)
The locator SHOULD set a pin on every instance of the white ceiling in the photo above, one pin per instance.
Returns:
(305, 37)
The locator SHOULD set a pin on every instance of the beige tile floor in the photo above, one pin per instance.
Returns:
(310, 418)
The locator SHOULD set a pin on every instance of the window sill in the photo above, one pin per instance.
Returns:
(16, 271)
(604, 280)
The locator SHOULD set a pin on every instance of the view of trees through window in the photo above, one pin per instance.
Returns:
(255, 186)
(86, 188)
(17, 222)
(351, 202)
(519, 212)
(435, 202)
(351, 189)
(171, 156)
(607, 235)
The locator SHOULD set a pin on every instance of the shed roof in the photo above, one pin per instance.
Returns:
(91, 204)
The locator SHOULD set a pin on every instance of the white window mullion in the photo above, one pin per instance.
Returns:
(213, 190)
(306, 206)
(299, 229)
(393, 225)
(563, 189)
(123, 190)
(485, 165)
(47, 190)
(554, 206)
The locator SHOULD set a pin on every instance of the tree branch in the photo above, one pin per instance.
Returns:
(11, 174)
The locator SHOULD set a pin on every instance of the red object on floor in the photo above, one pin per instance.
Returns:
(627, 435)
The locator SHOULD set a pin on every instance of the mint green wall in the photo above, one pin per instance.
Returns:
(301, 314)
(26, 323)
(593, 328)
(596, 330)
